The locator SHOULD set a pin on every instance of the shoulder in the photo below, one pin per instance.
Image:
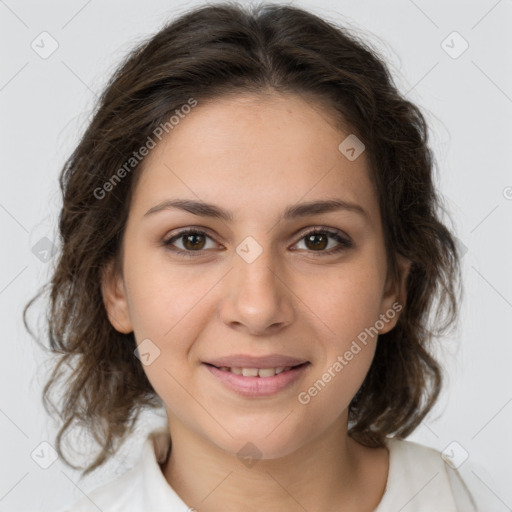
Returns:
(419, 480)
(122, 493)
(143, 487)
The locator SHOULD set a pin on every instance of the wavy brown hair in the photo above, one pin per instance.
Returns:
(204, 54)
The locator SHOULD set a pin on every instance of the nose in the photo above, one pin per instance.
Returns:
(258, 299)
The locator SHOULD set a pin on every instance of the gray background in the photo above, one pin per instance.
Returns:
(46, 102)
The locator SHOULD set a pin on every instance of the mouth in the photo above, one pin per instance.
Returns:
(257, 382)
(257, 372)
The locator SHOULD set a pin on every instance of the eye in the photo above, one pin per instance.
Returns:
(192, 240)
(195, 241)
(317, 240)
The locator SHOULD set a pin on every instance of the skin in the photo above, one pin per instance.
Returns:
(256, 155)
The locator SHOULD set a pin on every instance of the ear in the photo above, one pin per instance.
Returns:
(395, 295)
(114, 298)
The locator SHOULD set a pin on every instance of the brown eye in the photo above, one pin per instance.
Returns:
(191, 241)
(318, 241)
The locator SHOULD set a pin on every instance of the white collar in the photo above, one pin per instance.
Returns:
(417, 481)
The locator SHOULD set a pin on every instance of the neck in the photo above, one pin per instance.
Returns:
(331, 472)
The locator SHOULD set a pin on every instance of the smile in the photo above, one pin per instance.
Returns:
(257, 372)
(254, 382)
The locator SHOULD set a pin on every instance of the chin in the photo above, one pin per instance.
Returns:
(259, 440)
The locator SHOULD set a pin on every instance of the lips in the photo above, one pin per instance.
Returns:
(258, 386)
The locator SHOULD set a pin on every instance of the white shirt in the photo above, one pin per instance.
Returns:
(419, 480)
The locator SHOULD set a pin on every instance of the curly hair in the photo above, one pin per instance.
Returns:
(205, 54)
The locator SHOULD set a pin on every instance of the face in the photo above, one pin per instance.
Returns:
(258, 281)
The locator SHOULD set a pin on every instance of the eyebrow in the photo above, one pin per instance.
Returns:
(203, 209)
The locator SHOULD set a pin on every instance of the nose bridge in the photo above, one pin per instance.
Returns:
(255, 268)
(258, 298)
(255, 255)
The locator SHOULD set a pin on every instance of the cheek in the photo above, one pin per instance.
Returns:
(166, 311)
(332, 388)
(163, 297)
(346, 350)
(346, 316)
(347, 303)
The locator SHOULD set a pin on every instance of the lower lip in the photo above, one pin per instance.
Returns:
(258, 386)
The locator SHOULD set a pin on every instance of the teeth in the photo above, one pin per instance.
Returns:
(267, 372)
(250, 372)
(255, 372)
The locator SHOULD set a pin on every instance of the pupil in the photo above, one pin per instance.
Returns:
(317, 245)
(193, 244)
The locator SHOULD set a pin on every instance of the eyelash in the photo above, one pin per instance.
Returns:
(344, 242)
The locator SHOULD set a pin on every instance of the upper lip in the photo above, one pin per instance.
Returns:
(246, 361)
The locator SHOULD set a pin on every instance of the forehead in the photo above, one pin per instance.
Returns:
(250, 152)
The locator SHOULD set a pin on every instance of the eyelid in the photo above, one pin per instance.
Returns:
(323, 229)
